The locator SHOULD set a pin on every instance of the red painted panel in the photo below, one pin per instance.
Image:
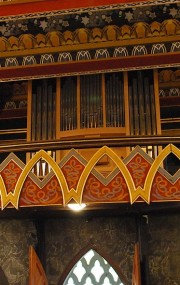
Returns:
(164, 190)
(90, 66)
(115, 191)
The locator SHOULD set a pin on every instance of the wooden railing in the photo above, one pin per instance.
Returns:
(126, 141)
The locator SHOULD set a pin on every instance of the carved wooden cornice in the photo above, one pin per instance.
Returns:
(122, 35)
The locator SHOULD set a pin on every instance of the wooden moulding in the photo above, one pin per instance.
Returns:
(89, 143)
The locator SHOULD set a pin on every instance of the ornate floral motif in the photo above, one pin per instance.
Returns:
(10, 175)
(50, 194)
(80, 181)
(138, 168)
(162, 189)
(72, 171)
(116, 190)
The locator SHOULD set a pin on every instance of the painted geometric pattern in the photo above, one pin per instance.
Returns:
(136, 178)
(61, 20)
(54, 39)
(95, 33)
(87, 44)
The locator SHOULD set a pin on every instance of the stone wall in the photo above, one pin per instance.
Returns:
(15, 238)
(66, 237)
(163, 249)
(116, 236)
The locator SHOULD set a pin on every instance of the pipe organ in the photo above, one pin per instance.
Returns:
(88, 105)
(68, 104)
(43, 110)
(115, 111)
(90, 102)
(142, 103)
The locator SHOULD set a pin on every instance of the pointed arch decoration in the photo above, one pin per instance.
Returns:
(68, 193)
(92, 266)
(156, 164)
(14, 197)
(92, 162)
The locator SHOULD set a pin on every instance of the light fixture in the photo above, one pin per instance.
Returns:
(76, 207)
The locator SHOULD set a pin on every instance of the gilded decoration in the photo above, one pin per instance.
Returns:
(89, 34)
(136, 178)
(139, 33)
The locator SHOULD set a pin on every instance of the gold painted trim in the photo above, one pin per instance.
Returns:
(77, 194)
(87, 46)
(95, 158)
(156, 164)
(14, 198)
(7, 198)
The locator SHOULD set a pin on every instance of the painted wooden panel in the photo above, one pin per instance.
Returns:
(37, 275)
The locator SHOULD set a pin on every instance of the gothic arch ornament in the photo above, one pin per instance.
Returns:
(87, 259)
(76, 192)
(92, 162)
(13, 198)
(156, 164)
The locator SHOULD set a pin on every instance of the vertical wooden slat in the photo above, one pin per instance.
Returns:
(88, 105)
(131, 118)
(117, 94)
(54, 136)
(50, 124)
(147, 106)
(44, 99)
(29, 110)
(57, 115)
(34, 117)
(111, 102)
(135, 106)
(113, 96)
(123, 104)
(140, 95)
(104, 100)
(58, 95)
(39, 113)
(99, 116)
(126, 103)
(79, 113)
(157, 104)
(74, 105)
(29, 115)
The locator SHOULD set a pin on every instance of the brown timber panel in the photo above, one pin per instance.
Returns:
(37, 275)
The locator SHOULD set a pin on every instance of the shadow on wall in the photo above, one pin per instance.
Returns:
(3, 279)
